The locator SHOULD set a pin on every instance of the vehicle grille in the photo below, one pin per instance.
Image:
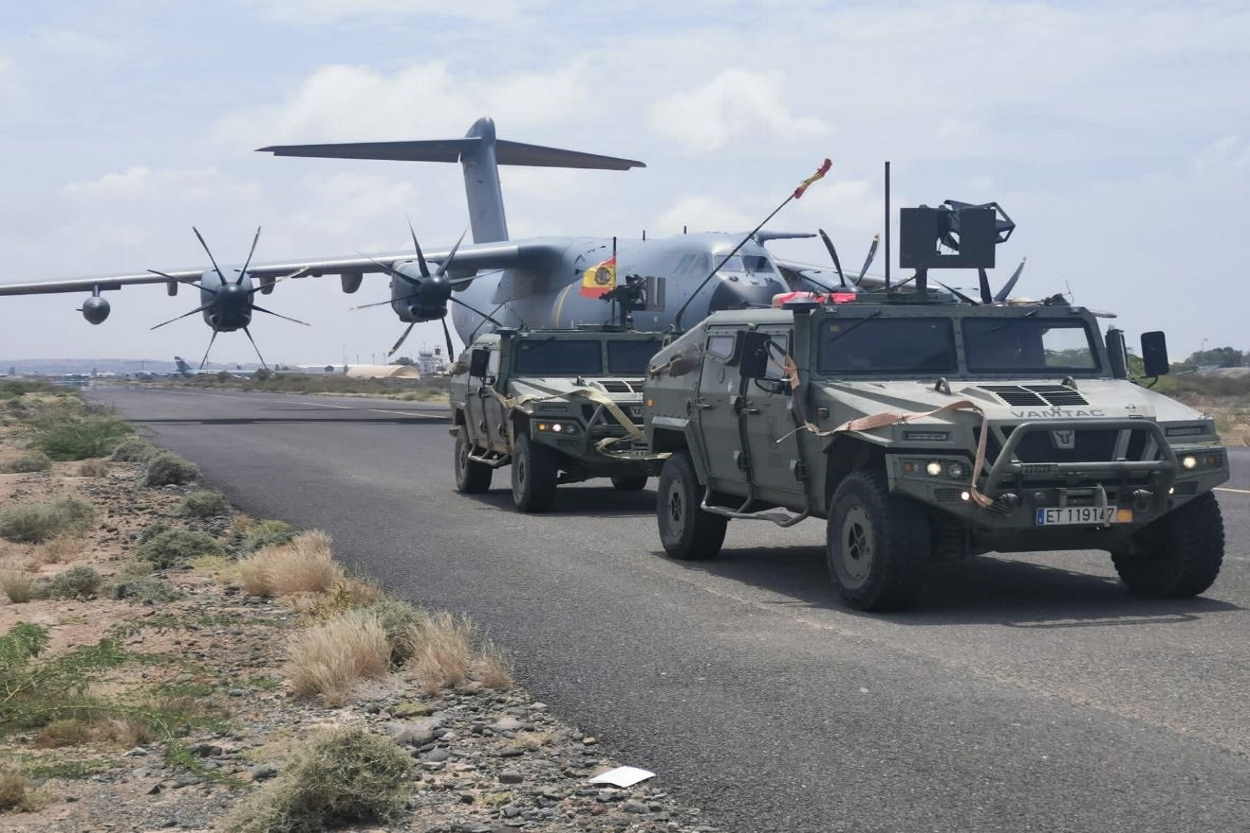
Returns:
(1023, 395)
(633, 410)
(1092, 445)
(621, 385)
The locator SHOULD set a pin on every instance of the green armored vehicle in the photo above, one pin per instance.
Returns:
(560, 406)
(925, 429)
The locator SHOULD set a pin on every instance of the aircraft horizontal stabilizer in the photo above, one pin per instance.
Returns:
(450, 150)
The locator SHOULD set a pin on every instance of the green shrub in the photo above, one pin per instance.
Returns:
(34, 523)
(72, 437)
(152, 530)
(74, 583)
(267, 534)
(31, 461)
(344, 777)
(402, 623)
(145, 590)
(204, 503)
(167, 468)
(134, 450)
(174, 547)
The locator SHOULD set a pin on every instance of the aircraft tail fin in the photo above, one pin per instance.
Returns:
(479, 153)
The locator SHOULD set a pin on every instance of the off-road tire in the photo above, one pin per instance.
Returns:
(1177, 556)
(472, 478)
(629, 483)
(686, 531)
(877, 544)
(534, 471)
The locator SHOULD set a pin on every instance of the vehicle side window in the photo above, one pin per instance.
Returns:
(777, 355)
(492, 366)
(721, 346)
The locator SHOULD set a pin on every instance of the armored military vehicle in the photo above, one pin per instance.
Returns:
(924, 425)
(559, 406)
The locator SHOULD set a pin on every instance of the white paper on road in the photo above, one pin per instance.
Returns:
(622, 776)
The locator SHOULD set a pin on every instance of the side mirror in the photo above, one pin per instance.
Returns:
(479, 359)
(753, 354)
(1117, 351)
(1154, 353)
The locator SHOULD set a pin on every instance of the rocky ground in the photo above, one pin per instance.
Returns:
(485, 759)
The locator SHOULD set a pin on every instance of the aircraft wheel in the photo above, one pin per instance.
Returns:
(534, 471)
(876, 544)
(629, 483)
(687, 532)
(471, 477)
(1177, 556)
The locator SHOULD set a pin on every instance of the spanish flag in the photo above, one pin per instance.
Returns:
(599, 279)
(820, 174)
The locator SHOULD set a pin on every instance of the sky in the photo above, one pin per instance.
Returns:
(1116, 136)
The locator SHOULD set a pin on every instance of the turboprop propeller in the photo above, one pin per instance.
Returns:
(987, 295)
(422, 296)
(226, 304)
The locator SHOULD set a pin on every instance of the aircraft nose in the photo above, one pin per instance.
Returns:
(731, 294)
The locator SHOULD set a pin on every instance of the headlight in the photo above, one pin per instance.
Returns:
(1189, 461)
(556, 427)
(934, 468)
(955, 471)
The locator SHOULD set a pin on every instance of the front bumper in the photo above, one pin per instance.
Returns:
(1149, 486)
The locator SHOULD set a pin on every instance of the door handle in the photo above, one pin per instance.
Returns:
(703, 405)
(750, 409)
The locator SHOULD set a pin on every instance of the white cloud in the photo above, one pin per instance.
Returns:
(346, 102)
(1228, 154)
(701, 213)
(74, 43)
(140, 182)
(736, 104)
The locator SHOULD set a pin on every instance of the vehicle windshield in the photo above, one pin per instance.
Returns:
(553, 357)
(629, 358)
(1028, 345)
(887, 345)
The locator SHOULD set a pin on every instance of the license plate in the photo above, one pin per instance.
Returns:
(1083, 515)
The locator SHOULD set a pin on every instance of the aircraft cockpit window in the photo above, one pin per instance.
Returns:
(734, 264)
(552, 357)
(758, 264)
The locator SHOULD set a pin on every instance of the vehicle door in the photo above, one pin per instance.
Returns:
(713, 408)
(496, 416)
(768, 420)
(477, 394)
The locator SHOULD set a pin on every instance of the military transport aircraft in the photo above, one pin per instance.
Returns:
(494, 281)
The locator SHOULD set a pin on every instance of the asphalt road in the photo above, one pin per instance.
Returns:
(1026, 694)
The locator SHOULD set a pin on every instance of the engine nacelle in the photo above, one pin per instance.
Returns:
(95, 309)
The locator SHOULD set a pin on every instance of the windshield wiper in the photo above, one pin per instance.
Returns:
(1011, 321)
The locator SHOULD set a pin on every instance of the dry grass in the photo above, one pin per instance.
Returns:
(15, 792)
(444, 651)
(533, 740)
(93, 468)
(59, 550)
(17, 585)
(330, 658)
(59, 733)
(492, 667)
(347, 594)
(304, 565)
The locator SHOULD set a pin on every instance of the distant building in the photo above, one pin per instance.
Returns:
(432, 362)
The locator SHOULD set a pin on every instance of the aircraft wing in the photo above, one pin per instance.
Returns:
(469, 260)
(807, 276)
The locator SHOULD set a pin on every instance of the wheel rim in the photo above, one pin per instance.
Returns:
(858, 547)
(676, 503)
(518, 472)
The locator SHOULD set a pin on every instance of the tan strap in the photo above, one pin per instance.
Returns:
(597, 397)
(888, 418)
